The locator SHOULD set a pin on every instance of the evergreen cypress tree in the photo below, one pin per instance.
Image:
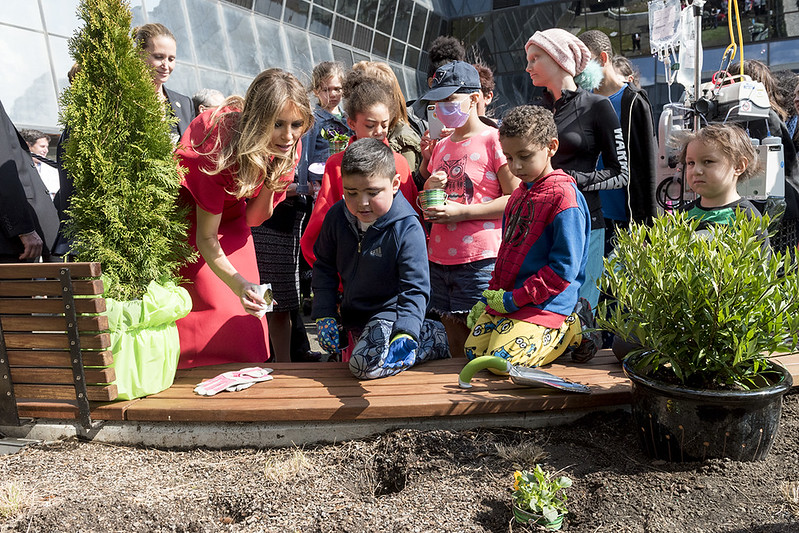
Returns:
(124, 212)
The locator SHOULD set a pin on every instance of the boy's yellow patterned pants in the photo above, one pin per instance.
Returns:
(522, 343)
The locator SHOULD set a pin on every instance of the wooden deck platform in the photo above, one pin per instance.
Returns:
(327, 392)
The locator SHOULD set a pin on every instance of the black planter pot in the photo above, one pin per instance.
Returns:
(682, 424)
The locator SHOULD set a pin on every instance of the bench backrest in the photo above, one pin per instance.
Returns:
(53, 344)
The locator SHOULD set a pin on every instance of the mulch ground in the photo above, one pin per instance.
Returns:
(403, 481)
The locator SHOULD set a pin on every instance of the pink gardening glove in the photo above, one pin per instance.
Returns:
(233, 381)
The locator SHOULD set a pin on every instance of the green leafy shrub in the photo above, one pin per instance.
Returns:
(708, 307)
(538, 492)
(124, 212)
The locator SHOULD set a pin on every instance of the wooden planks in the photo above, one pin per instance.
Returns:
(55, 341)
(34, 358)
(59, 376)
(322, 392)
(63, 409)
(52, 323)
(99, 393)
(35, 332)
(48, 270)
(53, 306)
(327, 391)
(12, 289)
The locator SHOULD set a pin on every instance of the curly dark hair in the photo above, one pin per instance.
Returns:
(533, 123)
(362, 91)
(444, 49)
(597, 42)
(486, 78)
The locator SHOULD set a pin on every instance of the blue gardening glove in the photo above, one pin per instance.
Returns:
(327, 333)
(401, 351)
(500, 301)
(475, 313)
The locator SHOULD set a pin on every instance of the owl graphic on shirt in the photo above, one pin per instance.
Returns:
(458, 183)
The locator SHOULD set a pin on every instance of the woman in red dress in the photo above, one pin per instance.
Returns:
(239, 158)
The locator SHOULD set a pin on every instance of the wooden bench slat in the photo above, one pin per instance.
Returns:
(35, 333)
(219, 409)
(354, 391)
(13, 289)
(96, 393)
(48, 270)
(27, 306)
(58, 341)
(57, 359)
(65, 409)
(52, 323)
(59, 376)
(604, 360)
(282, 380)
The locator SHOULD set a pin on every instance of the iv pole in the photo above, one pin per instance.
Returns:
(697, 51)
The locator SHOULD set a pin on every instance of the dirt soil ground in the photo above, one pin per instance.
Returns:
(403, 481)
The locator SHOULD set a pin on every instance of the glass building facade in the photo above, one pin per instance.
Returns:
(770, 31)
(223, 44)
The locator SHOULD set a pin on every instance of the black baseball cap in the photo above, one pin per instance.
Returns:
(458, 76)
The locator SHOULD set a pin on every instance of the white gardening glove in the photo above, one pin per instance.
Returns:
(233, 381)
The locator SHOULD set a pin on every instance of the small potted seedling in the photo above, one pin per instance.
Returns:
(338, 141)
(539, 497)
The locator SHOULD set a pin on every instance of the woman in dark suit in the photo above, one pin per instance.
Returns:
(159, 49)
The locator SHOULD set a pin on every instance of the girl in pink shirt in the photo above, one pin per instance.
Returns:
(466, 231)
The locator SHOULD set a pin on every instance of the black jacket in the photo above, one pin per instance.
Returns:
(24, 200)
(638, 128)
(587, 127)
(183, 108)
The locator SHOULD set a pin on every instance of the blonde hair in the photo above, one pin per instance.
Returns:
(381, 71)
(144, 34)
(250, 123)
(733, 144)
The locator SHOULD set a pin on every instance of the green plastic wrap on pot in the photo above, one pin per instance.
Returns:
(144, 339)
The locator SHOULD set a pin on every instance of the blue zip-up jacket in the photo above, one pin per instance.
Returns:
(384, 273)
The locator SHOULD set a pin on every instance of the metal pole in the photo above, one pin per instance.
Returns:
(697, 51)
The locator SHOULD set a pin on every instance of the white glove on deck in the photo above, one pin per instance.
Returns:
(233, 381)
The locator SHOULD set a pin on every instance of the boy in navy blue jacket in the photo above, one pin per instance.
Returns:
(529, 314)
(373, 242)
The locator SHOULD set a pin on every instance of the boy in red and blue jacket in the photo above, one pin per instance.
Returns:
(528, 314)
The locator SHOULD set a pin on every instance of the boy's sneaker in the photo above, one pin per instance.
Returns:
(592, 340)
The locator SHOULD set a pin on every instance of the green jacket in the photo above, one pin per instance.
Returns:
(406, 142)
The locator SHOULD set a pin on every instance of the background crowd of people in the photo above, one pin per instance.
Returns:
(266, 174)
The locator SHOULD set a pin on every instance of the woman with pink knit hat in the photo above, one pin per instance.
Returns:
(591, 146)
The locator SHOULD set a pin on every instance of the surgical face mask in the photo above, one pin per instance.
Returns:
(451, 114)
